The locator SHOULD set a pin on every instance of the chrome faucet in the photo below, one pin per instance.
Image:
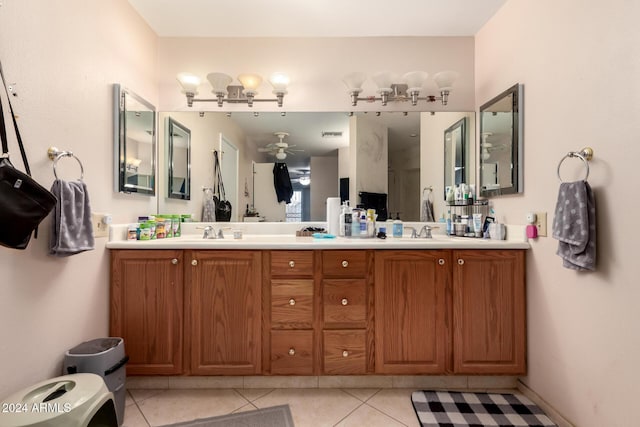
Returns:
(210, 233)
(426, 230)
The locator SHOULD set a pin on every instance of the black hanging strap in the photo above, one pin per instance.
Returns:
(3, 130)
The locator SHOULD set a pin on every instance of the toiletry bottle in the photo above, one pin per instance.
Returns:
(363, 225)
(343, 213)
(398, 229)
(348, 217)
(355, 223)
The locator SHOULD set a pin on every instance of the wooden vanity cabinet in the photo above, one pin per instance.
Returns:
(289, 310)
(347, 311)
(146, 309)
(489, 314)
(223, 305)
(412, 315)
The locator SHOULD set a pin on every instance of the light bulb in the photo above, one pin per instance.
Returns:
(354, 81)
(189, 82)
(384, 80)
(250, 82)
(415, 80)
(279, 81)
(445, 79)
(219, 82)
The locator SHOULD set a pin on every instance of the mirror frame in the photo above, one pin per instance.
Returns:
(461, 126)
(120, 96)
(172, 124)
(517, 140)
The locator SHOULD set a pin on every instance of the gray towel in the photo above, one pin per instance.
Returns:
(71, 228)
(208, 207)
(574, 226)
(427, 211)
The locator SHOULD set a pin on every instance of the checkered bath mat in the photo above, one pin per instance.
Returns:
(454, 409)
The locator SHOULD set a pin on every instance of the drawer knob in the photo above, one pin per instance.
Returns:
(345, 263)
(441, 261)
(292, 302)
(292, 264)
(292, 351)
(460, 261)
(345, 301)
(345, 353)
(174, 261)
(194, 262)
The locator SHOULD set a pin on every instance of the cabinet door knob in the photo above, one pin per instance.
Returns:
(345, 301)
(345, 353)
(460, 261)
(174, 261)
(441, 261)
(345, 263)
(292, 264)
(194, 262)
(292, 302)
(292, 351)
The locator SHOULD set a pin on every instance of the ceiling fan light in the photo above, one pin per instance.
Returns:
(281, 155)
(304, 180)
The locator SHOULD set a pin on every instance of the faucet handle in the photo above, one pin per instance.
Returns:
(414, 234)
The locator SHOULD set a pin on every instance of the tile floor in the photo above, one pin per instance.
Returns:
(315, 407)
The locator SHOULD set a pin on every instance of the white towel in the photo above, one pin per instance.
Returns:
(71, 228)
(574, 226)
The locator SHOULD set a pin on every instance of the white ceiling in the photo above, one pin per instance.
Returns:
(315, 18)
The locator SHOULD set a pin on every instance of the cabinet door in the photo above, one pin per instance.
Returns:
(489, 312)
(146, 309)
(412, 316)
(223, 306)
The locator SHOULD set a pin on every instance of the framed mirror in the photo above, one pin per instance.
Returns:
(501, 144)
(134, 143)
(178, 144)
(456, 153)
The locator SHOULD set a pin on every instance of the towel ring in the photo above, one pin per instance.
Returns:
(585, 155)
(55, 155)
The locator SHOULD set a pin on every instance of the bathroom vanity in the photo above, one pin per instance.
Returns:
(286, 305)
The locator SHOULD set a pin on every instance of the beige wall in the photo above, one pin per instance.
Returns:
(64, 57)
(579, 63)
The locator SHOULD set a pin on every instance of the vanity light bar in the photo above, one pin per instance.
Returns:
(244, 93)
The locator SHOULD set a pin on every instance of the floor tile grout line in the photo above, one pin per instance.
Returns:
(350, 413)
(139, 410)
(384, 413)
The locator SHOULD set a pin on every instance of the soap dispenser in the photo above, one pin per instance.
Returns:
(398, 228)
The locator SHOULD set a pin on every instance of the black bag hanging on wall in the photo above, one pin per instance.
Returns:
(223, 206)
(23, 202)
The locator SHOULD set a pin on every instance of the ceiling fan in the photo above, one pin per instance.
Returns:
(279, 149)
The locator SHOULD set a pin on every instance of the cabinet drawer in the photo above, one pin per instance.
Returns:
(344, 302)
(292, 263)
(344, 352)
(344, 263)
(292, 303)
(292, 352)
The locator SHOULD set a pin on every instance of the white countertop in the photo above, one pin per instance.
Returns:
(282, 236)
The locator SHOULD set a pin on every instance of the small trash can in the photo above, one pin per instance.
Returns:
(70, 400)
(105, 357)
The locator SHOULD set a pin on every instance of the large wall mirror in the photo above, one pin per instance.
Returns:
(134, 143)
(178, 155)
(320, 151)
(501, 144)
